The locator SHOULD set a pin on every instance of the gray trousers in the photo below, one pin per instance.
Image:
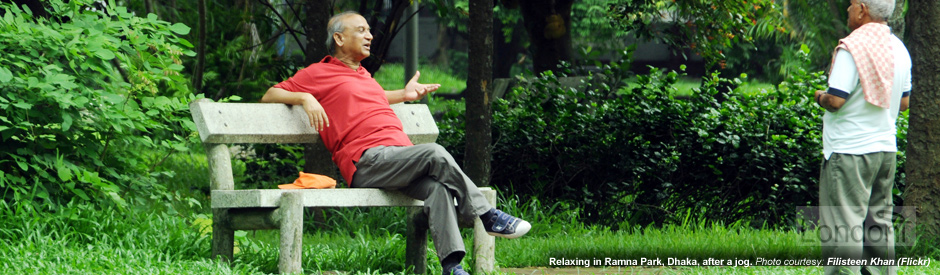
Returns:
(425, 172)
(855, 210)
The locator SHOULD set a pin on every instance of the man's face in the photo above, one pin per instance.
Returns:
(356, 37)
(855, 15)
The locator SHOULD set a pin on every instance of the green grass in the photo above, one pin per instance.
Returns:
(685, 86)
(86, 240)
(392, 77)
(82, 239)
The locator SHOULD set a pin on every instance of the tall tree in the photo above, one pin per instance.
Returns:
(200, 48)
(318, 13)
(479, 85)
(897, 19)
(923, 165)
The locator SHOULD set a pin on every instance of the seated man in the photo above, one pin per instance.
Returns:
(351, 111)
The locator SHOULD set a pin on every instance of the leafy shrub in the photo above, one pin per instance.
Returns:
(638, 155)
(92, 100)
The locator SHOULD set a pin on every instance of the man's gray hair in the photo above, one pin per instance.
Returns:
(335, 25)
(880, 10)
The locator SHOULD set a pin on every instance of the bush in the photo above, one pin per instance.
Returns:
(83, 92)
(639, 155)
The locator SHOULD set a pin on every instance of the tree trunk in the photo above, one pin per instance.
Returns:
(200, 48)
(923, 165)
(148, 5)
(506, 53)
(385, 25)
(897, 19)
(479, 83)
(549, 28)
(318, 15)
(837, 12)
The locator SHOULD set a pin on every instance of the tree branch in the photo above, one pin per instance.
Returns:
(293, 32)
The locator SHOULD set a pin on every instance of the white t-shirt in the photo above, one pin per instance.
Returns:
(859, 127)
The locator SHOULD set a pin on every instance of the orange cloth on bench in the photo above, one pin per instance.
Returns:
(310, 181)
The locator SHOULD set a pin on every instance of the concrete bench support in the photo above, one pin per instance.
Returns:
(220, 124)
(416, 241)
(291, 215)
(484, 245)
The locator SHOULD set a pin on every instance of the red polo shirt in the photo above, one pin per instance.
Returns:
(357, 107)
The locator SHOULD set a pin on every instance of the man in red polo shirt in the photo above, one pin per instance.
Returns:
(351, 112)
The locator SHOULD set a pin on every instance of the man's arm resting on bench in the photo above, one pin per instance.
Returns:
(315, 112)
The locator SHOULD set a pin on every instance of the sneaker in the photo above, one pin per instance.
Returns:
(457, 270)
(504, 225)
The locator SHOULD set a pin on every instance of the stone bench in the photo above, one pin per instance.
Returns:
(220, 124)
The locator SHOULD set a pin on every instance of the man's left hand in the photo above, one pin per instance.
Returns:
(415, 91)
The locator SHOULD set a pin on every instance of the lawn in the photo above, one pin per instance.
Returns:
(85, 240)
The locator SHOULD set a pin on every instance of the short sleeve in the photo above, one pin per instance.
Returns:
(300, 82)
(843, 78)
(288, 85)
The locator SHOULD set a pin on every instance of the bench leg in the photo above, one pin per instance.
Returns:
(223, 236)
(484, 245)
(416, 244)
(291, 220)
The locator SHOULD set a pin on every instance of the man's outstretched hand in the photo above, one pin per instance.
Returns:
(415, 91)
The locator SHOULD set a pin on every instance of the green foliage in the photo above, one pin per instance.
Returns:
(248, 48)
(709, 28)
(83, 92)
(591, 26)
(636, 153)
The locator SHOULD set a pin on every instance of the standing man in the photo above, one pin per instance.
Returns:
(351, 112)
(869, 83)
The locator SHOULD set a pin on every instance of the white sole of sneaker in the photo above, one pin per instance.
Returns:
(522, 229)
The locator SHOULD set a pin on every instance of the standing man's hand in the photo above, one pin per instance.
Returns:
(829, 102)
(818, 96)
(415, 91)
(315, 113)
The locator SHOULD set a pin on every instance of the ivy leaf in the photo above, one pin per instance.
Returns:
(5, 75)
(65, 174)
(185, 42)
(180, 28)
(23, 105)
(81, 194)
(66, 122)
(105, 54)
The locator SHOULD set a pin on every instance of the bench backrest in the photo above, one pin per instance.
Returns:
(282, 123)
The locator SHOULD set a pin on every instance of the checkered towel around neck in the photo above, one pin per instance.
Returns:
(871, 48)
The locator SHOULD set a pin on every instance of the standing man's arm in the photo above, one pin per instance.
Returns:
(315, 111)
(830, 102)
(905, 103)
(412, 91)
